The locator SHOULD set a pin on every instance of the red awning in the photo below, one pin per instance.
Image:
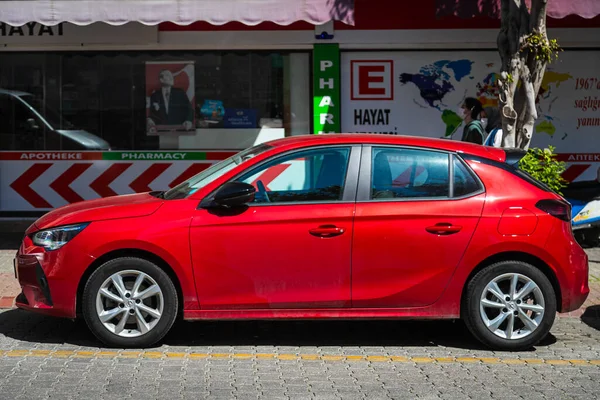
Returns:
(491, 8)
(182, 12)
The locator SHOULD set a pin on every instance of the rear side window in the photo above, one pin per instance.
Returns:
(465, 182)
(399, 173)
(511, 166)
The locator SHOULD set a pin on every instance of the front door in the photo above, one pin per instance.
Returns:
(412, 226)
(291, 247)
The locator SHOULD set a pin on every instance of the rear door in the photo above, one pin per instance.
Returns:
(416, 212)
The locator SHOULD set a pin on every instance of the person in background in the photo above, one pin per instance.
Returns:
(470, 112)
(492, 123)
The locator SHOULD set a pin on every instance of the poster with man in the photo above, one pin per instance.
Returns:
(170, 97)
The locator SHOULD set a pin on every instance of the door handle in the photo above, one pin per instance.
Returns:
(443, 229)
(326, 231)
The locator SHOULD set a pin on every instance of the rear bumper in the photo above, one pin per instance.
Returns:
(571, 267)
(579, 289)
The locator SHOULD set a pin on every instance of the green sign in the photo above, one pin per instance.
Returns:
(326, 88)
(153, 155)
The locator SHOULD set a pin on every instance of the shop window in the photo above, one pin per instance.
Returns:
(6, 122)
(221, 100)
(20, 128)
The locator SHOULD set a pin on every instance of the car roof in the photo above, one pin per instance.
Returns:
(397, 140)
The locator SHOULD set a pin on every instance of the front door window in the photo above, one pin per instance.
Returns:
(307, 176)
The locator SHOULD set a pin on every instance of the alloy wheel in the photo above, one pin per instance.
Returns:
(512, 306)
(129, 303)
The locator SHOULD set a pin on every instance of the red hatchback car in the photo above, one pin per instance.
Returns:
(317, 226)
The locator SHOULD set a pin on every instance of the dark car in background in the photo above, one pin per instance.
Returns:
(25, 123)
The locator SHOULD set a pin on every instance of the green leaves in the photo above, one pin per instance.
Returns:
(544, 49)
(542, 165)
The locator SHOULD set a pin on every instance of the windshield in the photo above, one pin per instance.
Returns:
(190, 186)
(51, 116)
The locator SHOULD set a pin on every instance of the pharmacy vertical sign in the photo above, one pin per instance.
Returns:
(326, 88)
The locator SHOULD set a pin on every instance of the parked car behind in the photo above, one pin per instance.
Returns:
(25, 124)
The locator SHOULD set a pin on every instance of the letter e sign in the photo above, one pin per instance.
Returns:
(372, 80)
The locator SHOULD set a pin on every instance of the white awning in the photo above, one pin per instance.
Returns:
(182, 12)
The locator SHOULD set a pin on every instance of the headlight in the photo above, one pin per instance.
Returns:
(55, 238)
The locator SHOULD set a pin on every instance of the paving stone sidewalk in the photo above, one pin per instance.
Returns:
(48, 358)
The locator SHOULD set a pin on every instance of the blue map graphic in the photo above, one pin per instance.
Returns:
(435, 80)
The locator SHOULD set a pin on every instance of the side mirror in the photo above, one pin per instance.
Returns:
(233, 194)
(31, 124)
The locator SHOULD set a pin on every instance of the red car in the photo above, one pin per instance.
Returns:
(317, 226)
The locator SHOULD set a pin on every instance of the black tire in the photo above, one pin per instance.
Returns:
(104, 272)
(471, 306)
(589, 238)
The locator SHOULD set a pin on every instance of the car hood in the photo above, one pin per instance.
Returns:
(86, 139)
(115, 207)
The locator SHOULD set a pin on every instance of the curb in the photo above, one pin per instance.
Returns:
(7, 302)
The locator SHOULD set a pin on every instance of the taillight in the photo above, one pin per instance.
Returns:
(556, 208)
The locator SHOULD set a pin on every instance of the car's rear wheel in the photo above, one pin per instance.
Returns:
(510, 305)
(129, 302)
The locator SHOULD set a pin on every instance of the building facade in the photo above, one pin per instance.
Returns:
(97, 110)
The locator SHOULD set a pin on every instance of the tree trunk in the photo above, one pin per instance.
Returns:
(521, 71)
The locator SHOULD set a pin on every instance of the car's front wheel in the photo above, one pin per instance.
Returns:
(129, 302)
(510, 305)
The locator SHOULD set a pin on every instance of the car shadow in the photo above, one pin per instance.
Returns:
(10, 241)
(27, 327)
(591, 317)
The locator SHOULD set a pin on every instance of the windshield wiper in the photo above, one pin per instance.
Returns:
(159, 194)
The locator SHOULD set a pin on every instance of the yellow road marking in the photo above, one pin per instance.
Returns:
(245, 356)
(309, 356)
(287, 357)
(107, 354)
(61, 353)
(17, 353)
(489, 360)
(378, 358)
(468, 360)
(332, 358)
(513, 361)
(533, 360)
(41, 353)
(422, 359)
(578, 362)
(219, 355)
(152, 354)
(198, 356)
(130, 354)
(290, 357)
(355, 358)
(176, 355)
(558, 362)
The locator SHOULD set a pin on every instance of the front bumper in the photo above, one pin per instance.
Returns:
(44, 287)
